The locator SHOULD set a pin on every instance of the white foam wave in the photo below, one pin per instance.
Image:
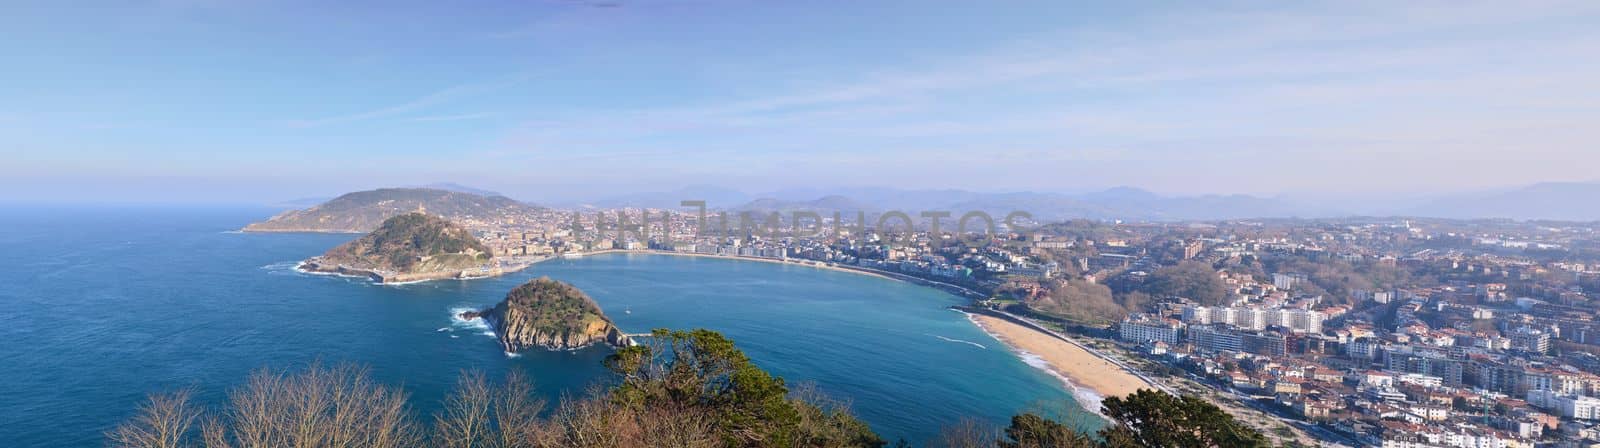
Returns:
(960, 341)
(513, 355)
(474, 324)
(281, 266)
(1086, 397)
(443, 329)
(300, 266)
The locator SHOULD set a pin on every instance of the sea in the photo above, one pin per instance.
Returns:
(102, 305)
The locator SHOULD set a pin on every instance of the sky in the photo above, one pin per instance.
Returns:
(219, 101)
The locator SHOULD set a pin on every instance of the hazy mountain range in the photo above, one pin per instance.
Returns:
(1117, 203)
(458, 188)
(1564, 201)
(1570, 201)
(1573, 201)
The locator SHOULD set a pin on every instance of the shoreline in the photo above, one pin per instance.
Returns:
(311, 267)
(1089, 375)
(247, 229)
(524, 263)
(957, 290)
(788, 261)
(519, 264)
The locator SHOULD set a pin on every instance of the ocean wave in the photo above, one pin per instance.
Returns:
(474, 324)
(413, 282)
(300, 266)
(513, 355)
(1087, 398)
(281, 266)
(960, 341)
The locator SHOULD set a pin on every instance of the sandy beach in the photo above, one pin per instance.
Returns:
(1084, 369)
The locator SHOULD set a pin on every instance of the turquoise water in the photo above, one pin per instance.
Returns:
(101, 306)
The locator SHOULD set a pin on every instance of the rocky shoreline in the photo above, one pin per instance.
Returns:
(316, 265)
(412, 247)
(251, 229)
(515, 339)
(550, 315)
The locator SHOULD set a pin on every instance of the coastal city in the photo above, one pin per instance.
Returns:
(1355, 332)
(753, 224)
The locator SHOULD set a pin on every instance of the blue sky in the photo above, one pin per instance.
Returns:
(262, 100)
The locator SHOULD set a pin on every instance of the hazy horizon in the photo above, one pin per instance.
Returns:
(576, 194)
(255, 102)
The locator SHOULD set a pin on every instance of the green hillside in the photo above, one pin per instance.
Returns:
(412, 242)
(363, 211)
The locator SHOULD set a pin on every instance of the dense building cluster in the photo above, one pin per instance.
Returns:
(1390, 333)
(1482, 340)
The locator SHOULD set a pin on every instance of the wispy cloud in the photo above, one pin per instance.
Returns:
(458, 117)
(1260, 92)
(421, 103)
(1242, 91)
(563, 17)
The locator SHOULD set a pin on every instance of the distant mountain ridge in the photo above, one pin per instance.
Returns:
(363, 211)
(715, 197)
(824, 205)
(1562, 201)
(452, 186)
(1117, 203)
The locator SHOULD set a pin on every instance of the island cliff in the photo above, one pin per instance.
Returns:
(548, 314)
(409, 247)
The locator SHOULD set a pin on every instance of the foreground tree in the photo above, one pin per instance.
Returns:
(480, 414)
(162, 422)
(680, 390)
(1152, 418)
(701, 371)
(1033, 431)
(1146, 418)
(969, 433)
(318, 407)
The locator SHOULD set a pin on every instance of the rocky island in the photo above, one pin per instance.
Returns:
(409, 247)
(552, 315)
(363, 211)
